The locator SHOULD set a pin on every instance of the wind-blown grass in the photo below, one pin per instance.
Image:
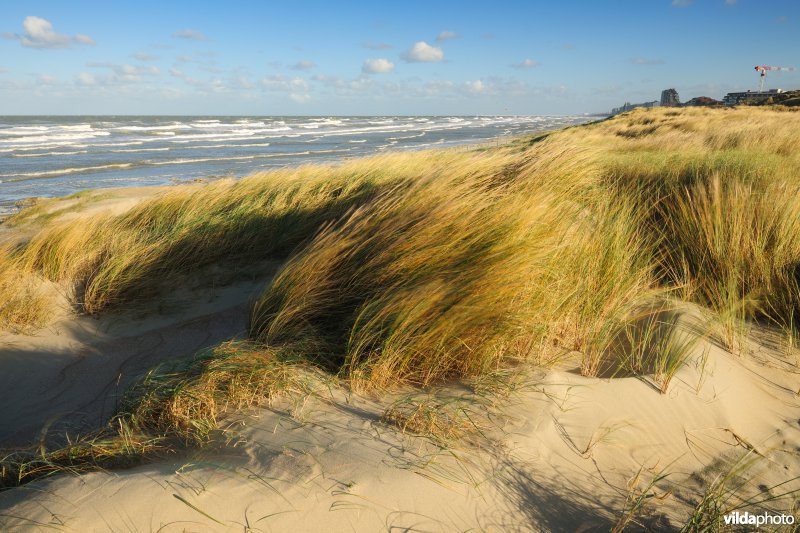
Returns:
(447, 278)
(426, 266)
(655, 344)
(24, 304)
(118, 261)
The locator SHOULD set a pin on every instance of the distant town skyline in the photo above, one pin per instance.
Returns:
(414, 58)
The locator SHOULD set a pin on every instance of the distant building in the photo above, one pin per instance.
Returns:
(627, 106)
(749, 96)
(669, 98)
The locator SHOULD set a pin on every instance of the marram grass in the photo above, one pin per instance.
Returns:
(419, 267)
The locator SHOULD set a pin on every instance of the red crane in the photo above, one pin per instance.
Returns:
(763, 70)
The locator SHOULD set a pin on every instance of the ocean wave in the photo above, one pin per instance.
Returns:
(59, 138)
(242, 134)
(421, 134)
(73, 170)
(133, 150)
(178, 126)
(150, 162)
(47, 154)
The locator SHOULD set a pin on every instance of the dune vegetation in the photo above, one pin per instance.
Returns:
(419, 267)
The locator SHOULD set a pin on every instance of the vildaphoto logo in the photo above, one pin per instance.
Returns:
(763, 519)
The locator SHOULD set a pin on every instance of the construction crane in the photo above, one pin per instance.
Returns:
(763, 70)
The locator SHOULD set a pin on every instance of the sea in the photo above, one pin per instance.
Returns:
(47, 156)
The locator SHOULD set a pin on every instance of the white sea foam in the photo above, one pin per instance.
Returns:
(152, 128)
(58, 138)
(61, 171)
(49, 154)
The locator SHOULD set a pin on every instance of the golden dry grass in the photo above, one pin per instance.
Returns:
(423, 265)
(419, 267)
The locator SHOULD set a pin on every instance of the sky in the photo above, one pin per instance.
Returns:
(384, 58)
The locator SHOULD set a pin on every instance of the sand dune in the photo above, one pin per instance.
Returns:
(589, 331)
(558, 454)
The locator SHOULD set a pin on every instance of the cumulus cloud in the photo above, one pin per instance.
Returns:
(39, 33)
(303, 65)
(646, 61)
(192, 35)
(422, 52)
(446, 36)
(377, 46)
(377, 66)
(526, 63)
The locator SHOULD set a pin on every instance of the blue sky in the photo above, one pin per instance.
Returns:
(373, 58)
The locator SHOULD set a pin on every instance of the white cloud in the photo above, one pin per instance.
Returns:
(218, 86)
(422, 52)
(377, 66)
(303, 65)
(300, 98)
(446, 36)
(283, 84)
(125, 73)
(86, 79)
(475, 87)
(181, 75)
(192, 35)
(39, 34)
(526, 63)
(142, 56)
